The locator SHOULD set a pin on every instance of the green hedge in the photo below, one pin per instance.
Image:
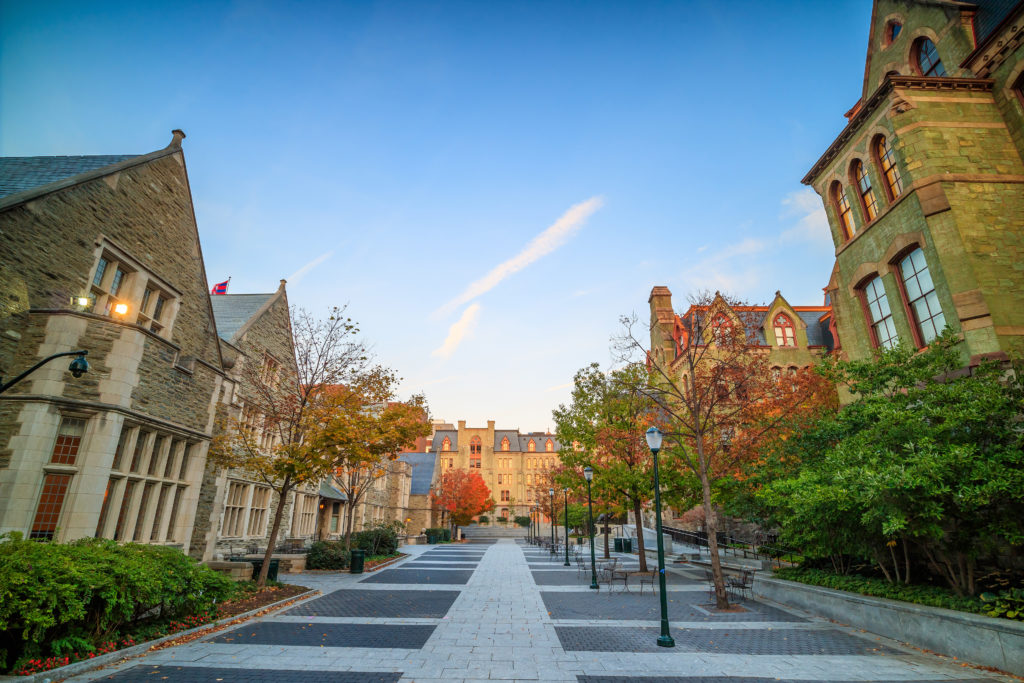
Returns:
(380, 540)
(442, 534)
(1007, 603)
(59, 598)
(327, 555)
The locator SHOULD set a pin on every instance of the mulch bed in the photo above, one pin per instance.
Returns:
(266, 596)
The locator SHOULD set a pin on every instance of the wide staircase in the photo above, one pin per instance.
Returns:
(492, 533)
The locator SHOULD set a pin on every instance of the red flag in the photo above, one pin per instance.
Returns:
(220, 287)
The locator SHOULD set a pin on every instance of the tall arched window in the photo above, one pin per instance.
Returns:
(721, 329)
(785, 333)
(842, 207)
(549, 446)
(887, 163)
(879, 314)
(474, 452)
(504, 444)
(531, 446)
(867, 195)
(921, 296)
(446, 445)
(927, 57)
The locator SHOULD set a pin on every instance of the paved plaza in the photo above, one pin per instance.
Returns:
(508, 611)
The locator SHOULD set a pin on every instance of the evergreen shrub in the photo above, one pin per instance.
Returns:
(327, 555)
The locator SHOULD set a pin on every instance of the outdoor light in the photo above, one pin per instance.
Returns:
(588, 473)
(79, 366)
(565, 494)
(654, 437)
(120, 309)
(82, 301)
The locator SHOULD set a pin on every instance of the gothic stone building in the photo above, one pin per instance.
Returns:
(102, 253)
(924, 187)
(515, 466)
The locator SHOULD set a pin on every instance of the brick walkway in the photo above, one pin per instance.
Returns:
(510, 612)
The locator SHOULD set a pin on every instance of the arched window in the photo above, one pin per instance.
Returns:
(842, 207)
(446, 445)
(921, 297)
(776, 373)
(868, 202)
(504, 444)
(721, 329)
(927, 57)
(879, 314)
(892, 31)
(531, 447)
(474, 452)
(785, 333)
(549, 446)
(887, 163)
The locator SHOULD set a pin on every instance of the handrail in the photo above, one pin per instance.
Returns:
(729, 545)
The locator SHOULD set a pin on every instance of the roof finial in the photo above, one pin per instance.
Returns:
(177, 136)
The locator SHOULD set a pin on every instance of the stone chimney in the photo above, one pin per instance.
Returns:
(177, 136)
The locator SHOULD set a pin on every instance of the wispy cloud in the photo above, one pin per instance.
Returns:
(557, 234)
(733, 268)
(559, 387)
(812, 224)
(459, 330)
(304, 270)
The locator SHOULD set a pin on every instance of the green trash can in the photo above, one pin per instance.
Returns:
(431, 539)
(358, 558)
(618, 544)
(258, 564)
(627, 545)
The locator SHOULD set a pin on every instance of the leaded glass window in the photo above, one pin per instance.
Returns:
(921, 296)
(881, 315)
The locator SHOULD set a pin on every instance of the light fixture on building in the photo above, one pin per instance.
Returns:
(79, 366)
(120, 309)
(82, 302)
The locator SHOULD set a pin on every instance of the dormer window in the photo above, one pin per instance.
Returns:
(721, 329)
(549, 446)
(531, 447)
(505, 444)
(785, 333)
(446, 445)
(927, 57)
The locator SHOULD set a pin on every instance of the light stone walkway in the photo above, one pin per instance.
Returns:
(498, 628)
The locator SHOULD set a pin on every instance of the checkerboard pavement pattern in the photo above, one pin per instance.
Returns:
(499, 624)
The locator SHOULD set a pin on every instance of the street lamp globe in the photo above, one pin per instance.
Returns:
(588, 473)
(79, 366)
(654, 437)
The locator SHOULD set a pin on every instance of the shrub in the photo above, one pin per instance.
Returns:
(522, 520)
(381, 539)
(483, 519)
(327, 555)
(74, 596)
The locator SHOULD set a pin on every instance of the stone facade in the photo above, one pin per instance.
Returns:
(924, 188)
(102, 254)
(515, 466)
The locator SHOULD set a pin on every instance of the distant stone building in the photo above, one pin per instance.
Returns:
(102, 253)
(515, 466)
(236, 508)
(924, 187)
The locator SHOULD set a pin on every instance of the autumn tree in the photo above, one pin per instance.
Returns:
(275, 437)
(719, 399)
(606, 419)
(464, 495)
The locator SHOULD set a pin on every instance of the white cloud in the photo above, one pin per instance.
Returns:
(733, 268)
(559, 387)
(557, 234)
(812, 225)
(459, 330)
(301, 272)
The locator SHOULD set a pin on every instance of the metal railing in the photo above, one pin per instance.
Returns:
(774, 554)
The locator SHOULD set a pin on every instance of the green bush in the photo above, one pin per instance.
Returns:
(61, 597)
(483, 519)
(522, 520)
(327, 555)
(382, 539)
(1008, 604)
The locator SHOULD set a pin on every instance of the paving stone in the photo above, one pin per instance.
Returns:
(746, 679)
(417, 564)
(682, 606)
(328, 635)
(197, 674)
(363, 603)
(411, 576)
(748, 642)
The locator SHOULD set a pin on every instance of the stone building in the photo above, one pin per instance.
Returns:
(793, 336)
(102, 253)
(515, 466)
(924, 187)
(236, 508)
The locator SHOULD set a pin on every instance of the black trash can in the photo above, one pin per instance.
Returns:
(627, 545)
(258, 564)
(618, 544)
(431, 539)
(356, 563)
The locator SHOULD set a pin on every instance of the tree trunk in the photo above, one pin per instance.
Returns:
(348, 525)
(638, 516)
(286, 487)
(721, 596)
(607, 553)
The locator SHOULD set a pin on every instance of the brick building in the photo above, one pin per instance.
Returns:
(102, 253)
(924, 187)
(515, 466)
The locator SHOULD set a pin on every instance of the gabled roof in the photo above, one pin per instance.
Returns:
(511, 434)
(990, 14)
(18, 174)
(233, 311)
(422, 466)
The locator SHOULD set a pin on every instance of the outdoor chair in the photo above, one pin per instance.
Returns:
(742, 584)
(649, 578)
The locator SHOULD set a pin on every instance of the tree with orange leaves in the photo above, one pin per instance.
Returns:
(464, 495)
(719, 400)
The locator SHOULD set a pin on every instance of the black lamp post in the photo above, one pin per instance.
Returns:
(551, 517)
(565, 493)
(588, 474)
(79, 366)
(654, 437)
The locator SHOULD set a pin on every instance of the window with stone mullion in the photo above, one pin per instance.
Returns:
(921, 296)
(881, 314)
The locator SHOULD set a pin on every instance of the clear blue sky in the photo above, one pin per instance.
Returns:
(391, 154)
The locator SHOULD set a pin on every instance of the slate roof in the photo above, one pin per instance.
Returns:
(422, 465)
(18, 174)
(500, 434)
(232, 311)
(539, 438)
(990, 14)
(815, 334)
(453, 436)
